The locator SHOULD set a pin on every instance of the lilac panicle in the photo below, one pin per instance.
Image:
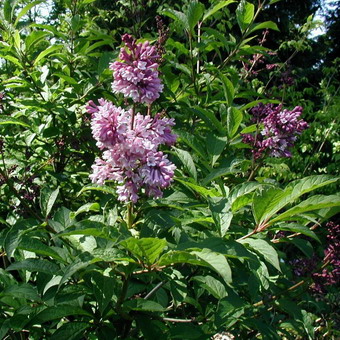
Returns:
(136, 75)
(131, 157)
(278, 130)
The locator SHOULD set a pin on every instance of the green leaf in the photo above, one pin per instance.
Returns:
(222, 171)
(297, 228)
(221, 213)
(4, 120)
(199, 189)
(46, 52)
(228, 88)
(26, 9)
(9, 7)
(86, 208)
(187, 161)
(102, 188)
(103, 287)
(70, 331)
(47, 200)
(143, 305)
(263, 25)
(194, 14)
(215, 146)
(58, 312)
(179, 17)
(234, 119)
(35, 265)
(36, 246)
(212, 285)
(270, 201)
(217, 262)
(244, 14)
(210, 118)
(147, 249)
(265, 249)
(266, 203)
(173, 257)
(23, 290)
(216, 8)
(312, 203)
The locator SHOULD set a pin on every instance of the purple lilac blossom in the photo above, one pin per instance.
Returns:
(278, 130)
(136, 75)
(131, 157)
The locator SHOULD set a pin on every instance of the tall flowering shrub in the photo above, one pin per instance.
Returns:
(130, 140)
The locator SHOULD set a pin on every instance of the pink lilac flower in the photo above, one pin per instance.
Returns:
(131, 157)
(278, 130)
(136, 75)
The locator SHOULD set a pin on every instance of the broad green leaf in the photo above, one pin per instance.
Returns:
(266, 202)
(263, 25)
(58, 312)
(217, 262)
(194, 14)
(210, 118)
(179, 17)
(102, 188)
(4, 120)
(26, 9)
(47, 200)
(276, 199)
(67, 78)
(71, 330)
(263, 248)
(221, 213)
(86, 208)
(199, 189)
(297, 228)
(36, 246)
(215, 146)
(244, 14)
(8, 8)
(143, 305)
(212, 285)
(146, 249)
(12, 59)
(35, 265)
(216, 8)
(46, 52)
(187, 161)
(34, 37)
(23, 290)
(173, 257)
(243, 189)
(312, 203)
(234, 119)
(304, 245)
(17, 40)
(103, 288)
(228, 88)
(223, 170)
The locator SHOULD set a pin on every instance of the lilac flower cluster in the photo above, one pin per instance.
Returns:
(277, 130)
(136, 75)
(330, 274)
(131, 155)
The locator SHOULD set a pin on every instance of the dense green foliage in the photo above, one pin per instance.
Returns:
(220, 252)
